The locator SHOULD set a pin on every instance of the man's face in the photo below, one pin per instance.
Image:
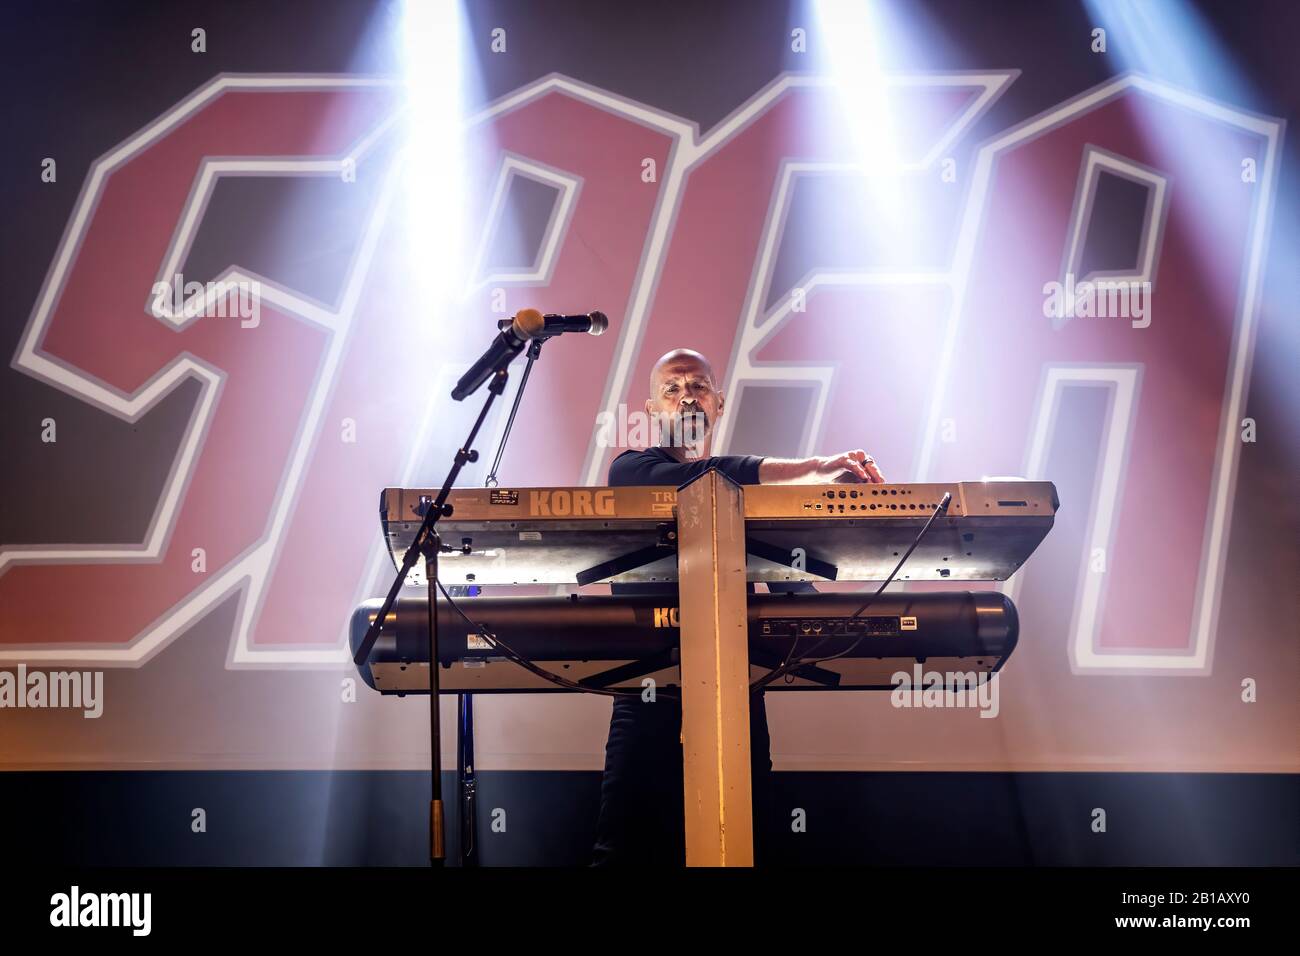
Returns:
(685, 404)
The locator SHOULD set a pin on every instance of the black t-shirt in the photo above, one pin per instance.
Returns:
(654, 466)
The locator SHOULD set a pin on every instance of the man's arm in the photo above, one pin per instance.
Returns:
(820, 470)
(640, 469)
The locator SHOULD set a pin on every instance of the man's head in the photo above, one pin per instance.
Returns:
(684, 400)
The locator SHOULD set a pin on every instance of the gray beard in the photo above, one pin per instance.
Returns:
(684, 431)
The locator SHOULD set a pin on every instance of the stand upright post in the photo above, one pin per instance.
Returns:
(437, 845)
(715, 672)
(468, 785)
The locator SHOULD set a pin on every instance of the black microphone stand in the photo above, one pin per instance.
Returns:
(467, 791)
(428, 544)
(534, 353)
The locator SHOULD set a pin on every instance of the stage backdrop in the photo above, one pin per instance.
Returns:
(189, 503)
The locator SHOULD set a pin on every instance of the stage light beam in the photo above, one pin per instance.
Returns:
(434, 64)
(853, 33)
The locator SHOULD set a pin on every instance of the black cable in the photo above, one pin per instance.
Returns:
(785, 667)
(942, 507)
(794, 645)
(516, 658)
(788, 666)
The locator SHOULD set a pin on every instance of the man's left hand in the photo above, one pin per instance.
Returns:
(852, 466)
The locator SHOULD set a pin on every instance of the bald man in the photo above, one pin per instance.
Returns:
(642, 817)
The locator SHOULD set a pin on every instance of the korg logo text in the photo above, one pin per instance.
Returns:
(577, 503)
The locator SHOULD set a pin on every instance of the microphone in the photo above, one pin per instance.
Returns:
(593, 323)
(515, 333)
